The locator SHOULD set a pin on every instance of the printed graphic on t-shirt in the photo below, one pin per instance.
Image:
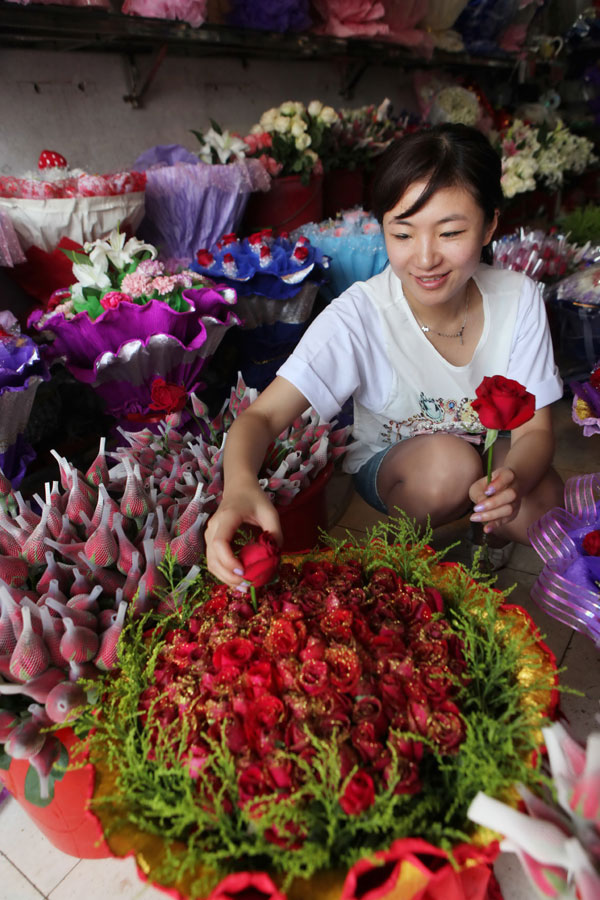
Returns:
(435, 414)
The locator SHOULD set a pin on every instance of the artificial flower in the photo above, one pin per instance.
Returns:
(167, 397)
(591, 543)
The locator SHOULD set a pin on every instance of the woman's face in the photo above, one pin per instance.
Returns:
(435, 251)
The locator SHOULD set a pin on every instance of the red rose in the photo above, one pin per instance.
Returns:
(503, 404)
(345, 667)
(235, 652)
(167, 397)
(260, 560)
(591, 543)
(282, 638)
(359, 794)
(313, 676)
(595, 378)
(253, 783)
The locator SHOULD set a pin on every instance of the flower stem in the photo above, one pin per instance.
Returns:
(253, 598)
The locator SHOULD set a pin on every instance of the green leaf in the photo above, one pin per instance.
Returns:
(490, 436)
(32, 780)
(74, 256)
(198, 134)
(215, 126)
(5, 760)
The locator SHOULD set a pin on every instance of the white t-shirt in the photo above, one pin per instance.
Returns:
(368, 345)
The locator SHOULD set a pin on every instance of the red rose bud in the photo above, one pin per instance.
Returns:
(260, 560)
(167, 397)
(595, 378)
(358, 795)
(591, 543)
(205, 258)
(503, 404)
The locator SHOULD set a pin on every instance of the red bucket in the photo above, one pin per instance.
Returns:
(65, 819)
(306, 514)
(287, 205)
(342, 189)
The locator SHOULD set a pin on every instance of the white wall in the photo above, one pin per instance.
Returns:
(72, 102)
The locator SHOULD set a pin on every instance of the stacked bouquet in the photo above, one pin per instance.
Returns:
(354, 245)
(58, 206)
(533, 156)
(128, 318)
(193, 199)
(276, 281)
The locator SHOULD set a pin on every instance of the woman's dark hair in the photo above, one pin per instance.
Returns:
(448, 155)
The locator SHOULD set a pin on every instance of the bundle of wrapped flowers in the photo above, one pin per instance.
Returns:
(354, 244)
(276, 280)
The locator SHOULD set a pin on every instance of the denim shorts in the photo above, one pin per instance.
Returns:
(365, 480)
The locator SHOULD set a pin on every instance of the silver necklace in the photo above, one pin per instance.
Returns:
(455, 334)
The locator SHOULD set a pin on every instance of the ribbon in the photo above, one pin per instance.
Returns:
(568, 587)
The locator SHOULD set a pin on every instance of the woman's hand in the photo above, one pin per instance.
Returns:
(498, 502)
(248, 506)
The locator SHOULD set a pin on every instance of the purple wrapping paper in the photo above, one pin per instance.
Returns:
(189, 206)
(568, 587)
(83, 343)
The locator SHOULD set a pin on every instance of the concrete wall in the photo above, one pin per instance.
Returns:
(72, 102)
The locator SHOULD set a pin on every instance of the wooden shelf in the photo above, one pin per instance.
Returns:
(91, 29)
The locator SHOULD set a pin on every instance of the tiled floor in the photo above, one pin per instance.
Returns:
(31, 868)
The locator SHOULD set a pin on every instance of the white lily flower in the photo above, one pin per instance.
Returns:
(225, 146)
(91, 276)
(116, 250)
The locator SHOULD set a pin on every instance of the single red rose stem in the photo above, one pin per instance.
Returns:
(253, 598)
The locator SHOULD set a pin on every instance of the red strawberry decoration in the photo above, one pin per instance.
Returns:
(50, 159)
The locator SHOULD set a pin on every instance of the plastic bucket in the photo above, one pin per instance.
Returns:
(287, 205)
(64, 817)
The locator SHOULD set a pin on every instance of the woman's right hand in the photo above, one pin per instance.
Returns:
(249, 506)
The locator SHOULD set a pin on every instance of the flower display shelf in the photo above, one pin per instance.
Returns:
(179, 787)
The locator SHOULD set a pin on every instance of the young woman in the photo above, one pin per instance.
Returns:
(410, 346)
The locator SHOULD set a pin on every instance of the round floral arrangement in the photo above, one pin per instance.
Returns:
(533, 155)
(287, 139)
(294, 733)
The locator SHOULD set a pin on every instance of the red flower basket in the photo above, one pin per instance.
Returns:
(64, 816)
(287, 205)
(342, 189)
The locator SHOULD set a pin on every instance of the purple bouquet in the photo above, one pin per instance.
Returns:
(22, 370)
(128, 320)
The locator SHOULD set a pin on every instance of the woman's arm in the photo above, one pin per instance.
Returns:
(243, 500)
(516, 472)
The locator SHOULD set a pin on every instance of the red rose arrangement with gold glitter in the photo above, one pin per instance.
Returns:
(327, 652)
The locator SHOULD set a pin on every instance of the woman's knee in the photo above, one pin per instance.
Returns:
(434, 474)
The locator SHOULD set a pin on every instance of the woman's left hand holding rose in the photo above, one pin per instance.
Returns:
(498, 502)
